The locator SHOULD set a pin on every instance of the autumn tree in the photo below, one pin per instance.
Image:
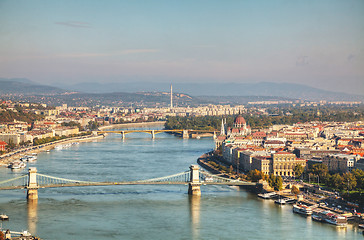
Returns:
(295, 190)
(256, 175)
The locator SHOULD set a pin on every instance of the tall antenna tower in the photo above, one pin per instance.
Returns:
(171, 97)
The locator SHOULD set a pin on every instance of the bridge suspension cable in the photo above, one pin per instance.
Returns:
(17, 182)
(179, 177)
(44, 180)
(208, 177)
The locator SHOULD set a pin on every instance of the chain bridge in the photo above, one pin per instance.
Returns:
(194, 178)
(184, 132)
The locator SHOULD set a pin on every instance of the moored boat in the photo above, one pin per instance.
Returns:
(280, 201)
(18, 165)
(302, 209)
(316, 218)
(4, 217)
(32, 158)
(267, 195)
(333, 218)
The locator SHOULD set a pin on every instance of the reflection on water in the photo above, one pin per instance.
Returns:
(195, 203)
(32, 215)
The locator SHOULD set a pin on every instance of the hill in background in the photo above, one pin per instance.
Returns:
(157, 94)
(23, 86)
(284, 90)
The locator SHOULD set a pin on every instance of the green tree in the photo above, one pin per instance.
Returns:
(278, 183)
(359, 177)
(71, 124)
(275, 182)
(298, 170)
(93, 125)
(336, 181)
(271, 180)
(349, 180)
(319, 169)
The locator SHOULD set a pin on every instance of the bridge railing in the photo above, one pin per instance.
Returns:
(179, 177)
(206, 177)
(44, 180)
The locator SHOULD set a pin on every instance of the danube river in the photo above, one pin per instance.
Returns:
(147, 212)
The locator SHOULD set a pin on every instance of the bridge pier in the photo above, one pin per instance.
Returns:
(32, 193)
(123, 135)
(185, 134)
(153, 135)
(194, 184)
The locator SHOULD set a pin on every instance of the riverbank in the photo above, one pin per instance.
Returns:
(10, 157)
(325, 200)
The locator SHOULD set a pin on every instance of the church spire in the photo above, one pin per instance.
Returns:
(222, 130)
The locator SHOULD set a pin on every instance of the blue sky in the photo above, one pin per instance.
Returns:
(318, 43)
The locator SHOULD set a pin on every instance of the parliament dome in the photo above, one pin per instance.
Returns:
(239, 120)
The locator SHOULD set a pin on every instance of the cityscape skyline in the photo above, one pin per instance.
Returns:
(316, 43)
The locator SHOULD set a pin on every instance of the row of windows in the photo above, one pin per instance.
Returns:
(284, 173)
(285, 159)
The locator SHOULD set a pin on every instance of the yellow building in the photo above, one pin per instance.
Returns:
(279, 164)
(284, 162)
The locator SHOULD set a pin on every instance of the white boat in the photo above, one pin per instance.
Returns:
(32, 158)
(18, 165)
(280, 201)
(4, 217)
(59, 147)
(302, 209)
(267, 195)
(333, 218)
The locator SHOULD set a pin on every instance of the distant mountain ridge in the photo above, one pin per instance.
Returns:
(23, 86)
(286, 90)
(203, 92)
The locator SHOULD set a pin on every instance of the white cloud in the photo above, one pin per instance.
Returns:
(75, 24)
(119, 53)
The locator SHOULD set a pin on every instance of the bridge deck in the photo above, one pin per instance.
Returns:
(126, 183)
(155, 131)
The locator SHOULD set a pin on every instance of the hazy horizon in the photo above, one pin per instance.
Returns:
(315, 43)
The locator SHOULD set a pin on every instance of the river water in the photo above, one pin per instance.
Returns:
(147, 212)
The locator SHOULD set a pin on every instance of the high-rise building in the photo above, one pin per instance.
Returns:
(171, 97)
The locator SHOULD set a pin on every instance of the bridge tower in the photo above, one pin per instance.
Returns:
(32, 193)
(153, 134)
(194, 184)
(185, 134)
